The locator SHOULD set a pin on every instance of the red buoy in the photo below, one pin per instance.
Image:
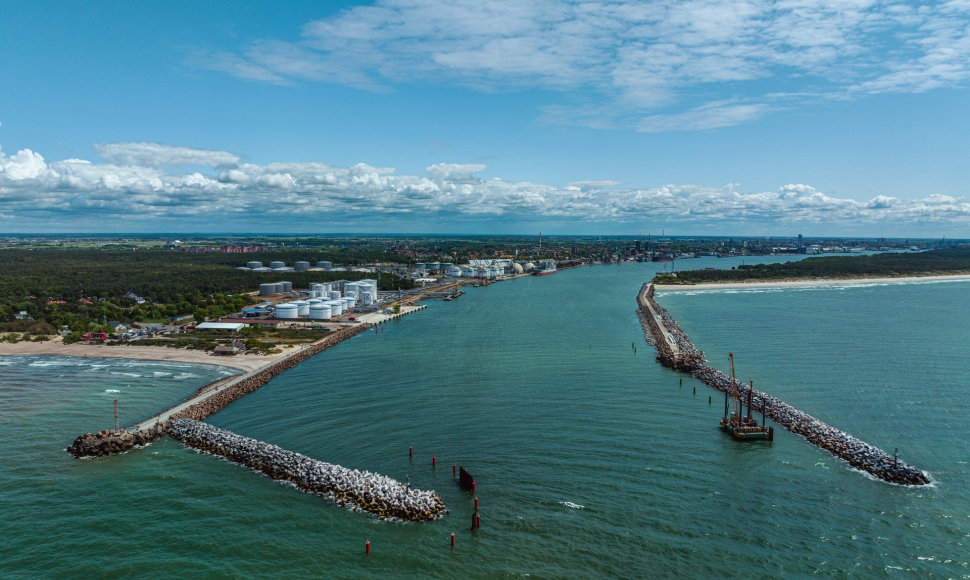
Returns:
(410, 451)
(473, 486)
(454, 469)
(368, 546)
(452, 539)
(476, 503)
(478, 520)
(433, 461)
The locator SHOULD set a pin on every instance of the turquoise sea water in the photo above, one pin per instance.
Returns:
(591, 460)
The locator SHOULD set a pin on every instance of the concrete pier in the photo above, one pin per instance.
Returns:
(357, 490)
(675, 351)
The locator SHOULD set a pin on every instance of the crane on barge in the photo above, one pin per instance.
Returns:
(746, 429)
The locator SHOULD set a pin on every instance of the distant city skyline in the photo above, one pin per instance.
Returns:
(698, 118)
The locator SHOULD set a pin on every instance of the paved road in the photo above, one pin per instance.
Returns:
(674, 347)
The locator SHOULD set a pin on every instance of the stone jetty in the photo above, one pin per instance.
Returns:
(676, 351)
(109, 442)
(357, 490)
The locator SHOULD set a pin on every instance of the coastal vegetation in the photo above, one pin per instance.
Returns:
(44, 289)
(886, 265)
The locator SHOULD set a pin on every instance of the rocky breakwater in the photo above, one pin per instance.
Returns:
(257, 379)
(681, 355)
(856, 452)
(359, 490)
(108, 442)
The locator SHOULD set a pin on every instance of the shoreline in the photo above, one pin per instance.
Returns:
(243, 362)
(809, 282)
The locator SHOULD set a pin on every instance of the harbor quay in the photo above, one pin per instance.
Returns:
(674, 350)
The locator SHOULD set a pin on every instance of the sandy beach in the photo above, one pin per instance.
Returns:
(245, 362)
(811, 282)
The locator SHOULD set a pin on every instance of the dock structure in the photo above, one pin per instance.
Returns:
(380, 495)
(675, 351)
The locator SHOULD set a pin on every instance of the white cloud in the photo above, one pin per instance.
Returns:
(158, 155)
(710, 116)
(634, 57)
(35, 193)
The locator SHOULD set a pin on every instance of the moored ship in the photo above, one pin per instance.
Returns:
(546, 267)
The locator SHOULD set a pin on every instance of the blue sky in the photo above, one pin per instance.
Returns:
(697, 118)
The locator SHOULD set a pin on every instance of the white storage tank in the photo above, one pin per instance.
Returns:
(320, 312)
(303, 307)
(267, 289)
(367, 297)
(276, 265)
(286, 286)
(349, 303)
(301, 266)
(454, 272)
(325, 265)
(334, 294)
(254, 265)
(287, 311)
(336, 307)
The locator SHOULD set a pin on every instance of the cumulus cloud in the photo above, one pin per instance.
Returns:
(36, 193)
(158, 155)
(638, 58)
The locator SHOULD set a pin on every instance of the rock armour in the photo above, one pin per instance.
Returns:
(359, 490)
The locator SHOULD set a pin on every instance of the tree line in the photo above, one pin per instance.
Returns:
(888, 265)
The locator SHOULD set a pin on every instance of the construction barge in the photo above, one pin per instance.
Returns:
(675, 351)
(743, 429)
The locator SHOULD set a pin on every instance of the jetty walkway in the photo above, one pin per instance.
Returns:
(675, 350)
(207, 401)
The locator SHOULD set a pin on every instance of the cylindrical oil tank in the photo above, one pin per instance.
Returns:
(320, 312)
(336, 307)
(254, 264)
(267, 289)
(287, 286)
(317, 289)
(434, 266)
(301, 266)
(287, 311)
(454, 272)
(349, 304)
(325, 265)
(275, 265)
(334, 294)
(303, 307)
(313, 301)
(367, 297)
